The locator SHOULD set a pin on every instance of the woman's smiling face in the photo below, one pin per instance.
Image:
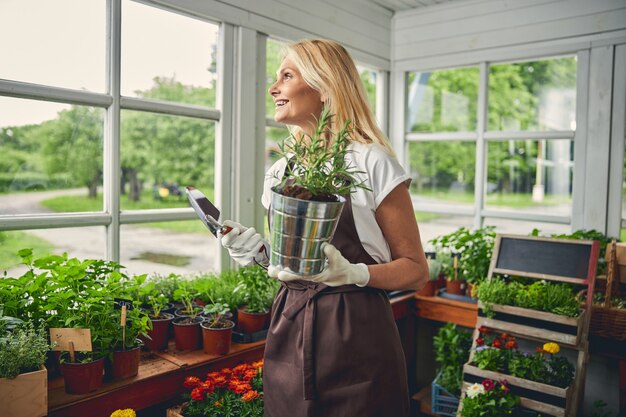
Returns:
(296, 102)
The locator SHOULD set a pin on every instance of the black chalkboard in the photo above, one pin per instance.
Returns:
(559, 257)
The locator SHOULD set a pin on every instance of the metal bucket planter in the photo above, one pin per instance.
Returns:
(298, 229)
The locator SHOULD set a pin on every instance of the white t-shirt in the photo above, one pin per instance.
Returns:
(382, 173)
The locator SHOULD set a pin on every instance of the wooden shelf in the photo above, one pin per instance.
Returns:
(161, 375)
(446, 310)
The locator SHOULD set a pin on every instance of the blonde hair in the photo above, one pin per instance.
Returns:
(327, 67)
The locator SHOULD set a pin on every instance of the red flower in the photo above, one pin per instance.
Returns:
(497, 343)
(191, 382)
(207, 386)
(504, 336)
(197, 394)
(480, 341)
(488, 384)
(511, 344)
(484, 330)
(220, 381)
(250, 395)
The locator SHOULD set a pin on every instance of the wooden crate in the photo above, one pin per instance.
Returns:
(533, 395)
(534, 324)
(26, 395)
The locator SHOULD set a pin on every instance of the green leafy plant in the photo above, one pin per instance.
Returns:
(257, 288)
(452, 347)
(434, 269)
(473, 248)
(317, 168)
(557, 298)
(23, 347)
(185, 295)
(216, 313)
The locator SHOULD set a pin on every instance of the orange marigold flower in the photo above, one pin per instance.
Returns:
(250, 395)
(258, 364)
(511, 344)
(191, 382)
(207, 387)
(220, 381)
(212, 375)
(217, 404)
(197, 394)
(226, 371)
(240, 369)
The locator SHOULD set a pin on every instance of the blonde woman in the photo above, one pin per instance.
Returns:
(333, 348)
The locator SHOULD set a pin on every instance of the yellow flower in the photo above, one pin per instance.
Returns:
(551, 348)
(474, 390)
(128, 412)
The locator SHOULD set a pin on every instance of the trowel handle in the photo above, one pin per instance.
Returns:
(225, 230)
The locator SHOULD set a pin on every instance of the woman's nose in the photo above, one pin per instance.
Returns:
(273, 90)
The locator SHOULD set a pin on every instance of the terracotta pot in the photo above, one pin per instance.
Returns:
(469, 289)
(429, 289)
(187, 335)
(251, 322)
(216, 341)
(125, 363)
(455, 287)
(159, 334)
(82, 378)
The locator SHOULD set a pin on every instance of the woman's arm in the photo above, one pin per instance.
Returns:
(408, 268)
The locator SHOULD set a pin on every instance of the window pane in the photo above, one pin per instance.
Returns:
(54, 152)
(530, 176)
(167, 56)
(273, 137)
(523, 227)
(59, 43)
(161, 155)
(433, 225)
(180, 247)
(368, 77)
(442, 101)
(538, 95)
(443, 173)
(273, 59)
(78, 242)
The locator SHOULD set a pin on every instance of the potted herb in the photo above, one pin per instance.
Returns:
(473, 248)
(258, 292)
(452, 348)
(187, 327)
(217, 330)
(307, 202)
(23, 378)
(155, 303)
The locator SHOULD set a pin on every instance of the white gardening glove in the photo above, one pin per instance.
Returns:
(339, 271)
(244, 245)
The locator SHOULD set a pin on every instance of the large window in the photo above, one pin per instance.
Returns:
(523, 155)
(57, 146)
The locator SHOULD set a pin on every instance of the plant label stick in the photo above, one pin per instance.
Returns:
(123, 324)
(72, 353)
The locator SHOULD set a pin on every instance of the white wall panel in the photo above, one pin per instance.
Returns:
(366, 36)
(474, 27)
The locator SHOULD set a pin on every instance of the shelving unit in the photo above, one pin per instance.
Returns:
(560, 260)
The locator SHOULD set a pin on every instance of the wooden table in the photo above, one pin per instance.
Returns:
(446, 310)
(160, 378)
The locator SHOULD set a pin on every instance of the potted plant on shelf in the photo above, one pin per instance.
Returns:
(258, 292)
(307, 202)
(473, 248)
(155, 303)
(23, 377)
(217, 330)
(489, 399)
(187, 328)
(434, 269)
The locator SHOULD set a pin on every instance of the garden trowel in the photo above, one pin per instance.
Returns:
(208, 213)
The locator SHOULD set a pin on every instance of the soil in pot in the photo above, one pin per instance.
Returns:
(302, 193)
(125, 363)
(82, 378)
(216, 339)
(251, 322)
(159, 335)
(187, 333)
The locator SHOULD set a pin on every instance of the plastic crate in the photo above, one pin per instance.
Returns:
(442, 402)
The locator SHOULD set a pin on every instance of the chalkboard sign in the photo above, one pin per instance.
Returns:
(546, 258)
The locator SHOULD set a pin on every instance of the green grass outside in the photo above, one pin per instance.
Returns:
(496, 199)
(13, 241)
(76, 203)
(424, 217)
(622, 236)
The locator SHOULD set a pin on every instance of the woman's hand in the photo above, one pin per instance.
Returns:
(338, 271)
(244, 245)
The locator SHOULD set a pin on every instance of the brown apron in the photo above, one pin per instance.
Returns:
(334, 351)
